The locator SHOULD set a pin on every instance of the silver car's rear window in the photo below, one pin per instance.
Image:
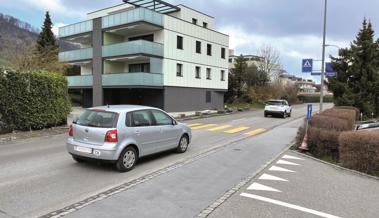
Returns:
(98, 118)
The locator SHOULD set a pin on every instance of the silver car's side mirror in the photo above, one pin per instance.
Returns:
(174, 122)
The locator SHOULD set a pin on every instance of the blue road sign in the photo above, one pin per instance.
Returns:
(307, 65)
(329, 71)
(316, 73)
(309, 112)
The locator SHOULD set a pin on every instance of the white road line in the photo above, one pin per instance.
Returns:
(280, 169)
(284, 162)
(291, 157)
(292, 206)
(270, 177)
(260, 187)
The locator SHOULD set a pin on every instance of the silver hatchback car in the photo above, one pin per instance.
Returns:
(124, 133)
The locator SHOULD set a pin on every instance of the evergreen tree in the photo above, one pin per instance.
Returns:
(357, 70)
(46, 38)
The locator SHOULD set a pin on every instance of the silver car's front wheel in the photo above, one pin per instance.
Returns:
(183, 144)
(127, 159)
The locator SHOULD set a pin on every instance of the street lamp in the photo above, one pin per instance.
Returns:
(323, 59)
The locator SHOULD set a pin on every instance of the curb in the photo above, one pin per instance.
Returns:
(207, 211)
(337, 166)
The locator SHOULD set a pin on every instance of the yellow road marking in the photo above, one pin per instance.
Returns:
(203, 126)
(219, 128)
(255, 132)
(239, 129)
(194, 124)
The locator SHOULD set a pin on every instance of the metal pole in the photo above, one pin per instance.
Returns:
(323, 59)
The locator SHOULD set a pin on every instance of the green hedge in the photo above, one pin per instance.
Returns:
(314, 98)
(43, 103)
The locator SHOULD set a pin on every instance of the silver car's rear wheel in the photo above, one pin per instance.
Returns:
(127, 159)
(183, 144)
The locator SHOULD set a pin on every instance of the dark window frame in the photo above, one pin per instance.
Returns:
(179, 42)
(209, 49)
(222, 75)
(223, 53)
(208, 97)
(205, 25)
(179, 74)
(197, 73)
(194, 21)
(209, 74)
(198, 47)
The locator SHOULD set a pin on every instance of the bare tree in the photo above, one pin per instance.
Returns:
(270, 63)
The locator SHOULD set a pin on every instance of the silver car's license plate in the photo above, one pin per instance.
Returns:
(83, 149)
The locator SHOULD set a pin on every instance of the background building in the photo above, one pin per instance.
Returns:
(152, 54)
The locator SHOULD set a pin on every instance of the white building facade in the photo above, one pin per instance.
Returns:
(152, 54)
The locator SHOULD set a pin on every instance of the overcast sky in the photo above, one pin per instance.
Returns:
(294, 27)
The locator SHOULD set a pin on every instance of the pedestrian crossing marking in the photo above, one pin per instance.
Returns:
(203, 126)
(235, 130)
(291, 157)
(194, 124)
(255, 132)
(260, 187)
(284, 162)
(220, 128)
(271, 177)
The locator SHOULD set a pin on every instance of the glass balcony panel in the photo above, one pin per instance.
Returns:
(80, 81)
(133, 47)
(138, 14)
(76, 55)
(77, 28)
(133, 79)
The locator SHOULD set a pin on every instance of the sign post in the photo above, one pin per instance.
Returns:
(309, 112)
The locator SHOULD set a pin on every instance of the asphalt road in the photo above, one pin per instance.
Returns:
(37, 176)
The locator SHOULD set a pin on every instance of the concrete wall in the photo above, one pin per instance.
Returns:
(97, 62)
(177, 99)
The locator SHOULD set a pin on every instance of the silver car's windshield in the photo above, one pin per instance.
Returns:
(96, 118)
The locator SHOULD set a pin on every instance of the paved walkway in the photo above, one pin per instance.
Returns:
(298, 186)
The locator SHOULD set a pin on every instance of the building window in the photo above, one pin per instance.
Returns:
(205, 25)
(209, 73)
(209, 49)
(223, 53)
(137, 68)
(179, 42)
(197, 72)
(179, 70)
(198, 47)
(194, 21)
(230, 60)
(222, 75)
(208, 97)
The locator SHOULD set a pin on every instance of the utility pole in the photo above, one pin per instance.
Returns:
(323, 59)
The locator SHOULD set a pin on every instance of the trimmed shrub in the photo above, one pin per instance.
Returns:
(323, 142)
(359, 150)
(330, 123)
(301, 133)
(314, 98)
(347, 114)
(33, 100)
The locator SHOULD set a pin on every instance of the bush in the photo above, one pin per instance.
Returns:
(349, 115)
(323, 142)
(359, 150)
(301, 133)
(330, 122)
(314, 98)
(33, 100)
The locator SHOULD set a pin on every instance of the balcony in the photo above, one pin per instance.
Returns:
(132, 79)
(138, 47)
(77, 28)
(76, 55)
(80, 81)
(132, 16)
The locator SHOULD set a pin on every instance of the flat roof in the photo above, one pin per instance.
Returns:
(155, 5)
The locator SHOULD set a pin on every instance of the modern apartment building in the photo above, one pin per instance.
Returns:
(148, 52)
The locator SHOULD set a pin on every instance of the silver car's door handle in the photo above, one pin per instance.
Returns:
(137, 132)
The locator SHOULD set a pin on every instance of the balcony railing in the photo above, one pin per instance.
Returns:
(80, 81)
(135, 15)
(133, 47)
(77, 28)
(133, 79)
(76, 55)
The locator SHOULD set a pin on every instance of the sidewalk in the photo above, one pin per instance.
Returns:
(185, 189)
(304, 188)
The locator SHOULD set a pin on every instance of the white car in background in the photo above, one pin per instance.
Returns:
(278, 107)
